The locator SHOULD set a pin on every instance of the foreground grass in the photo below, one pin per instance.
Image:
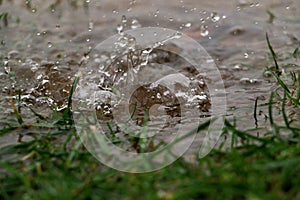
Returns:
(55, 165)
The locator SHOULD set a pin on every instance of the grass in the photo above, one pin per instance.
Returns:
(55, 165)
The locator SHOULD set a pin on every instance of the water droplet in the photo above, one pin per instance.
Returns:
(49, 44)
(57, 26)
(120, 28)
(166, 93)
(158, 95)
(248, 81)
(115, 11)
(246, 55)
(91, 26)
(171, 19)
(188, 25)
(156, 13)
(214, 17)
(124, 19)
(87, 1)
(39, 77)
(33, 10)
(203, 31)
(135, 24)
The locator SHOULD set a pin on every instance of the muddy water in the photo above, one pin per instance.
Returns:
(46, 44)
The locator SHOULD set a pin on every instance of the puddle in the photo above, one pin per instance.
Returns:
(44, 45)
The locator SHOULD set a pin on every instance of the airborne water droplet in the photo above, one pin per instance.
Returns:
(188, 25)
(120, 28)
(124, 19)
(214, 17)
(135, 24)
(156, 13)
(203, 31)
(91, 26)
(49, 44)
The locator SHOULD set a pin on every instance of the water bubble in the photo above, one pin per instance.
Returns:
(87, 1)
(171, 19)
(246, 55)
(49, 44)
(203, 31)
(33, 10)
(115, 11)
(57, 26)
(214, 17)
(13, 54)
(248, 81)
(135, 24)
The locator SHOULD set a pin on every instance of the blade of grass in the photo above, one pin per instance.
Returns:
(270, 109)
(285, 118)
(19, 117)
(295, 52)
(255, 112)
(7, 129)
(41, 117)
(273, 54)
(75, 82)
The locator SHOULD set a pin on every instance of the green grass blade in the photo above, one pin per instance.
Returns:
(273, 54)
(75, 82)
(18, 115)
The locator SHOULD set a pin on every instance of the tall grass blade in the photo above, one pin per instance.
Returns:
(19, 117)
(273, 54)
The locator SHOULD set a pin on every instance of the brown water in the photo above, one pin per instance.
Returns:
(45, 44)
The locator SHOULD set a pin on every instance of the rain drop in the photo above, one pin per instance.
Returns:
(124, 19)
(203, 31)
(120, 29)
(188, 25)
(135, 24)
(49, 44)
(91, 26)
(214, 17)
(156, 13)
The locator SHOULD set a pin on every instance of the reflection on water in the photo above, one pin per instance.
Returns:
(45, 43)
